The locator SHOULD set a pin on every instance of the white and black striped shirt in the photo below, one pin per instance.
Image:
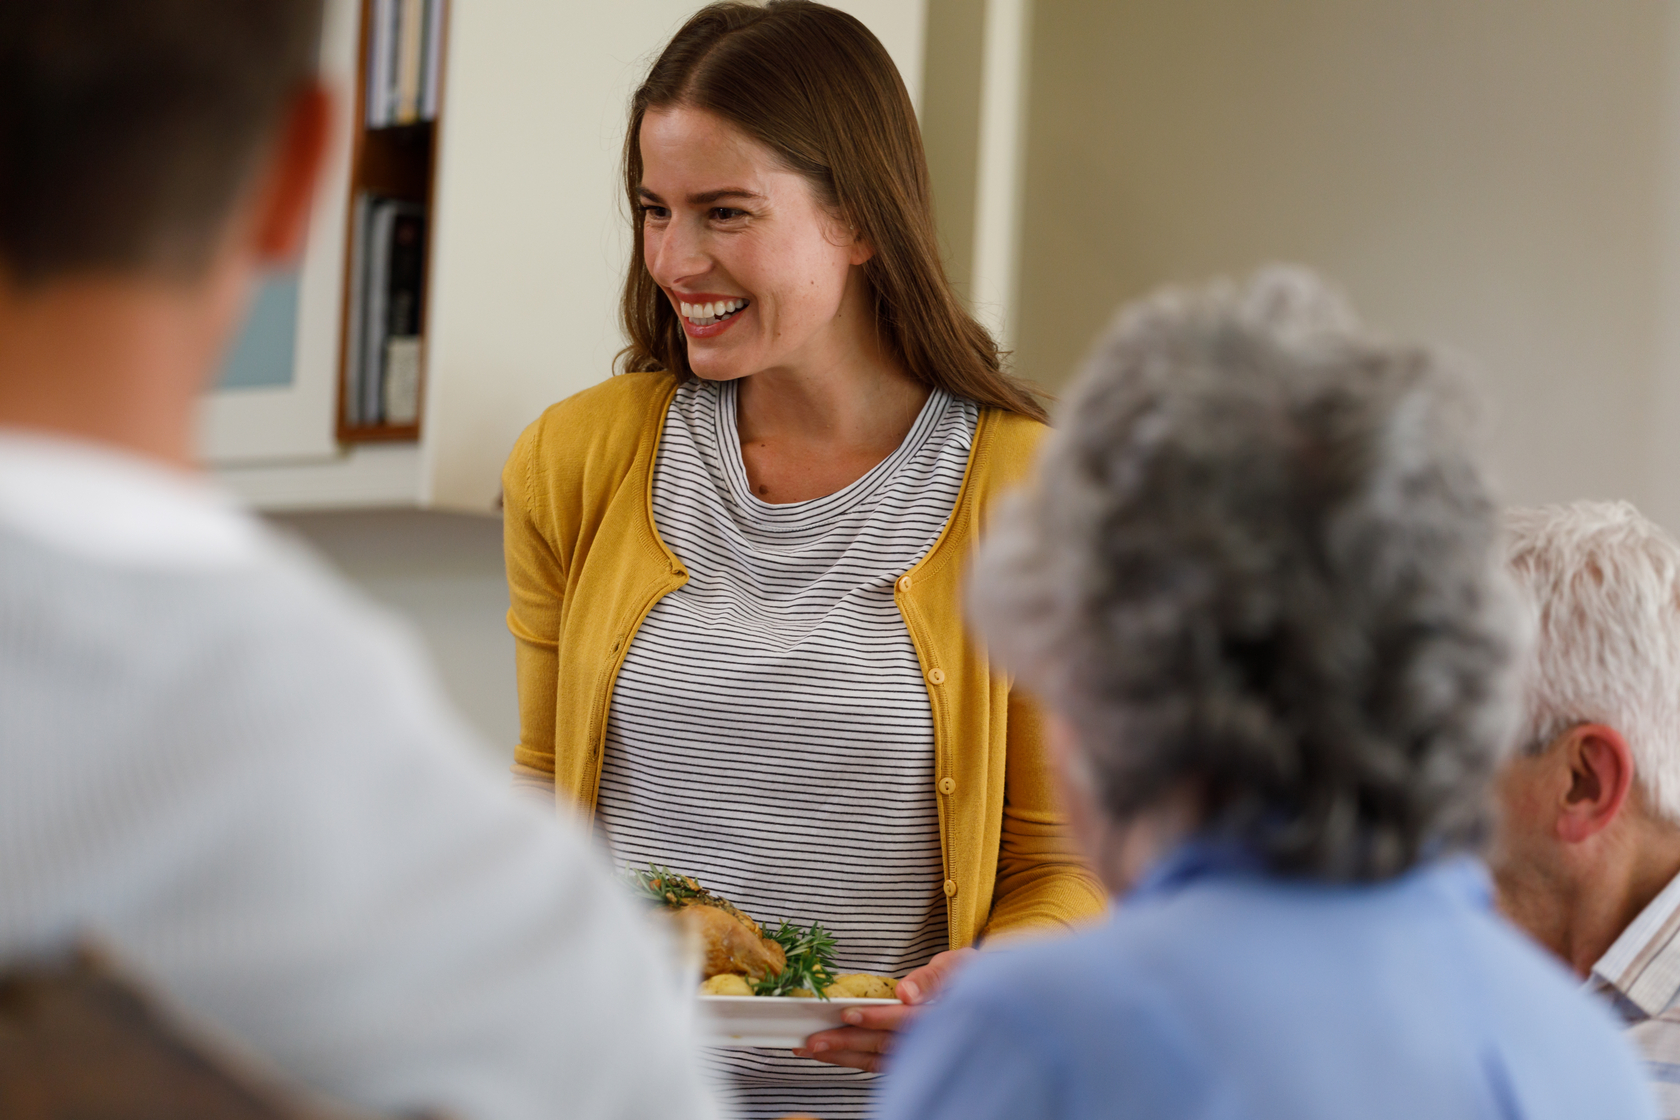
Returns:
(770, 731)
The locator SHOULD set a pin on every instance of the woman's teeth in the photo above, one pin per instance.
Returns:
(705, 314)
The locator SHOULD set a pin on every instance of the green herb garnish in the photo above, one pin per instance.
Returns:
(809, 949)
(810, 961)
(664, 887)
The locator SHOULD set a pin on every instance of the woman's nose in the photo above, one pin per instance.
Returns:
(676, 253)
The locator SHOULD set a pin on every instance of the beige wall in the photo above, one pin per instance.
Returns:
(950, 119)
(1482, 174)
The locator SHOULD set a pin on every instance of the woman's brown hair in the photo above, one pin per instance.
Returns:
(817, 88)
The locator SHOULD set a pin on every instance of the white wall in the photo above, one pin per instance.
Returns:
(1487, 175)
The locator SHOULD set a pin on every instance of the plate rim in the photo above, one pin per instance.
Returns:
(760, 1001)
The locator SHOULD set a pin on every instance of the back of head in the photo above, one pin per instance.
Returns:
(1261, 558)
(1603, 585)
(812, 84)
(127, 129)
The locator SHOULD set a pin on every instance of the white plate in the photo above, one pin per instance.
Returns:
(781, 1022)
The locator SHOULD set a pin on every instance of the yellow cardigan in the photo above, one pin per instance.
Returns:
(586, 564)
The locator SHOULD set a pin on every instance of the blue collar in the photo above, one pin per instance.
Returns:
(1202, 857)
(1197, 858)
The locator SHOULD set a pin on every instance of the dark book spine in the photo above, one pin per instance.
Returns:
(408, 267)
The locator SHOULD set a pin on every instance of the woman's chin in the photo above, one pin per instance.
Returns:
(715, 370)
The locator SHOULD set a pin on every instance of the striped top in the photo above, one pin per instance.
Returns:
(1640, 976)
(770, 731)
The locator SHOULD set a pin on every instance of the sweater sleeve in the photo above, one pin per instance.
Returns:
(536, 592)
(1041, 880)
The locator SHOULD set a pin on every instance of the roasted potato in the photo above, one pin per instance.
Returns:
(861, 985)
(726, 984)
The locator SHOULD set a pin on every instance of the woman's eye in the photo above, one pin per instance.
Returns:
(726, 213)
(655, 213)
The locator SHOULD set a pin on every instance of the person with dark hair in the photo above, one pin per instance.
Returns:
(734, 568)
(217, 763)
(1258, 583)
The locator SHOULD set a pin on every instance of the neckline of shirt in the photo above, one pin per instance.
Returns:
(787, 517)
(1635, 964)
(105, 504)
(1203, 857)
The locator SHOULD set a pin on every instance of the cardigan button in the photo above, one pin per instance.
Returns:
(936, 676)
(904, 583)
(950, 888)
(947, 786)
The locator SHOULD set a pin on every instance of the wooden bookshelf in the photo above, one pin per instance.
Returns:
(396, 161)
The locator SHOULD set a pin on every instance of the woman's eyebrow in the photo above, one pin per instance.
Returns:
(705, 198)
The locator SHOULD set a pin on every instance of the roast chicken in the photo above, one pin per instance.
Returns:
(728, 944)
(736, 959)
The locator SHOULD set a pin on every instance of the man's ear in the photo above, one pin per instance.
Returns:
(1600, 771)
(287, 187)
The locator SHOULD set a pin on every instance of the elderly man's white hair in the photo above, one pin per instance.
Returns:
(1603, 584)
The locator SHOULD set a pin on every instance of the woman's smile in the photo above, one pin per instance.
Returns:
(706, 315)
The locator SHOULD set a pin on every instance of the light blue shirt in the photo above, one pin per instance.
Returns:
(1216, 991)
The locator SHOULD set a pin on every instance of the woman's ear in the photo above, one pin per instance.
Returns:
(846, 233)
(1600, 776)
(862, 248)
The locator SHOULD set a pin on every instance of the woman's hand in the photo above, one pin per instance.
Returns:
(864, 1043)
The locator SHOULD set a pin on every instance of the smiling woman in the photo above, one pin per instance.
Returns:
(842, 122)
(735, 569)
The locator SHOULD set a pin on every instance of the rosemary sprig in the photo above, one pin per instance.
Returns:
(664, 887)
(810, 961)
(809, 949)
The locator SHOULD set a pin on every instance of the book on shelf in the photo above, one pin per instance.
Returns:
(403, 61)
(402, 380)
(432, 64)
(383, 346)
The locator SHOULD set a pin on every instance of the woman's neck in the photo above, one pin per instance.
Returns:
(810, 429)
(855, 409)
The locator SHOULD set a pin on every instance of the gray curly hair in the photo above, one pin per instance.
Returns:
(1261, 555)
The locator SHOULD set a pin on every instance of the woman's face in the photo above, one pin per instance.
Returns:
(760, 273)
